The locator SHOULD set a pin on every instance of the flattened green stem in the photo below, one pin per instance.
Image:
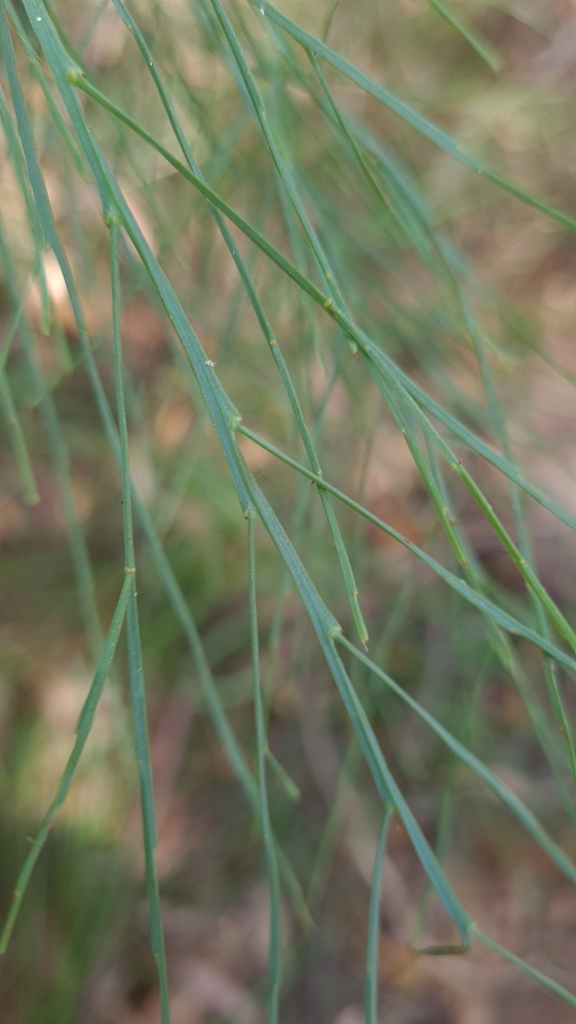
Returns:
(287, 783)
(127, 523)
(82, 732)
(484, 51)
(275, 954)
(142, 750)
(136, 668)
(532, 972)
(372, 973)
(522, 813)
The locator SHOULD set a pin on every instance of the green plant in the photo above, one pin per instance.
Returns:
(366, 279)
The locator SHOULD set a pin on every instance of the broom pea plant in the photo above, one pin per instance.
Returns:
(317, 299)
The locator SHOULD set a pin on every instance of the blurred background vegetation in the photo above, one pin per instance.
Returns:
(467, 289)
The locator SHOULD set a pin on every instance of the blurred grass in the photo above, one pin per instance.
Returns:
(418, 320)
